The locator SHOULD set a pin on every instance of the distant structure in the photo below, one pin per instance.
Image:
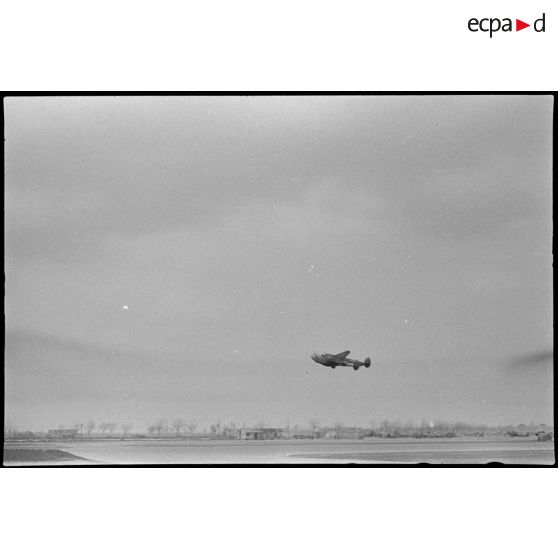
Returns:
(63, 433)
(261, 433)
(347, 433)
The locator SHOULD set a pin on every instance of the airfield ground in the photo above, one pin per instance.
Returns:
(519, 451)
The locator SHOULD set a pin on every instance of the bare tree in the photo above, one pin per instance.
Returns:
(79, 427)
(386, 426)
(314, 424)
(89, 426)
(409, 426)
(338, 427)
(215, 428)
(112, 426)
(104, 426)
(10, 429)
(178, 426)
(126, 427)
(160, 426)
(192, 425)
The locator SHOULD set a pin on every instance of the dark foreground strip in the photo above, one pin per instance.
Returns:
(38, 455)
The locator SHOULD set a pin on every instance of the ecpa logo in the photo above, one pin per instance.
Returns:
(494, 24)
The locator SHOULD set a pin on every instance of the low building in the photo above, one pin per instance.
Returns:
(344, 433)
(231, 432)
(63, 433)
(261, 433)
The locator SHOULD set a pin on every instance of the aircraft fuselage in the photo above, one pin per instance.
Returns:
(332, 361)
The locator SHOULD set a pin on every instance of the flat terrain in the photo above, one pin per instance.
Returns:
(464, 450)
(33, 455)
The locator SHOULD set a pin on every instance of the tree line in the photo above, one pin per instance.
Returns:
(182, 427)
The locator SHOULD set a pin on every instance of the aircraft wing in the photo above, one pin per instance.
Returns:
(342, 355)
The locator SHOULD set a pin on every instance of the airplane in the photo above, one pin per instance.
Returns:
(340, 359)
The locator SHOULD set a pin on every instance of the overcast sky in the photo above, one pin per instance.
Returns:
(184, 256)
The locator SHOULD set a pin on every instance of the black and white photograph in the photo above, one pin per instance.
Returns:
(278, 279)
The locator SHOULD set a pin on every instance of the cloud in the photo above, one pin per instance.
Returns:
(79, 170)
(533, 363)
